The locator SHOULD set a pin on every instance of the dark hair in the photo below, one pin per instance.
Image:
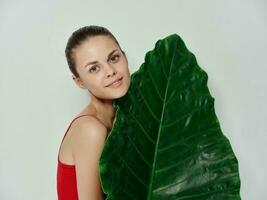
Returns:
(80, 36)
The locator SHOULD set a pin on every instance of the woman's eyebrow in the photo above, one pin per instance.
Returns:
(94, 62)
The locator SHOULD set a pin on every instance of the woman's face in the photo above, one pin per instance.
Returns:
(99, 62)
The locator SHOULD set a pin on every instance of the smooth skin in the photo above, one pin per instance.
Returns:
(84, 142)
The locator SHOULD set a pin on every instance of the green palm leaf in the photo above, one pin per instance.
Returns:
(167, 142)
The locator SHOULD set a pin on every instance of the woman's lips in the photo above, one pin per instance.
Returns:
(116, 84)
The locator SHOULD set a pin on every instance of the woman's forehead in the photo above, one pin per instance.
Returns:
(93, 49)
(100, 42)
(97, 45)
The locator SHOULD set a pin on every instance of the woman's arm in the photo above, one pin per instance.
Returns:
(87, 147)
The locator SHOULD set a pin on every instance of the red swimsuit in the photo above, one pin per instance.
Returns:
(66, 177)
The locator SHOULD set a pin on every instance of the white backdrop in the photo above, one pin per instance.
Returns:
(38, 98)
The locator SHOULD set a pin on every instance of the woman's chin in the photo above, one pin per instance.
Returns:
(120, 91)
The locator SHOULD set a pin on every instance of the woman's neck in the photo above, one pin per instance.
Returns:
(104, 110)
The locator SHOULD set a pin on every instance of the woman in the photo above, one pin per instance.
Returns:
(100, 66)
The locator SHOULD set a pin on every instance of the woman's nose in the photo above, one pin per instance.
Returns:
(110, 71)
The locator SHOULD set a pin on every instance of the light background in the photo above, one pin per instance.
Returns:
(39, 98)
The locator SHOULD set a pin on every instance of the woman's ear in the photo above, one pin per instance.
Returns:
(78, 82)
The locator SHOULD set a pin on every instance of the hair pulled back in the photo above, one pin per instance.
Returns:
(80, 36)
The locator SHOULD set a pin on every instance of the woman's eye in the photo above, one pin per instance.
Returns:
(115, 57)
(93, 68)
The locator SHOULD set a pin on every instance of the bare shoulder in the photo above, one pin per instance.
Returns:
(88, 123)
(88, 132)
(88, 142)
